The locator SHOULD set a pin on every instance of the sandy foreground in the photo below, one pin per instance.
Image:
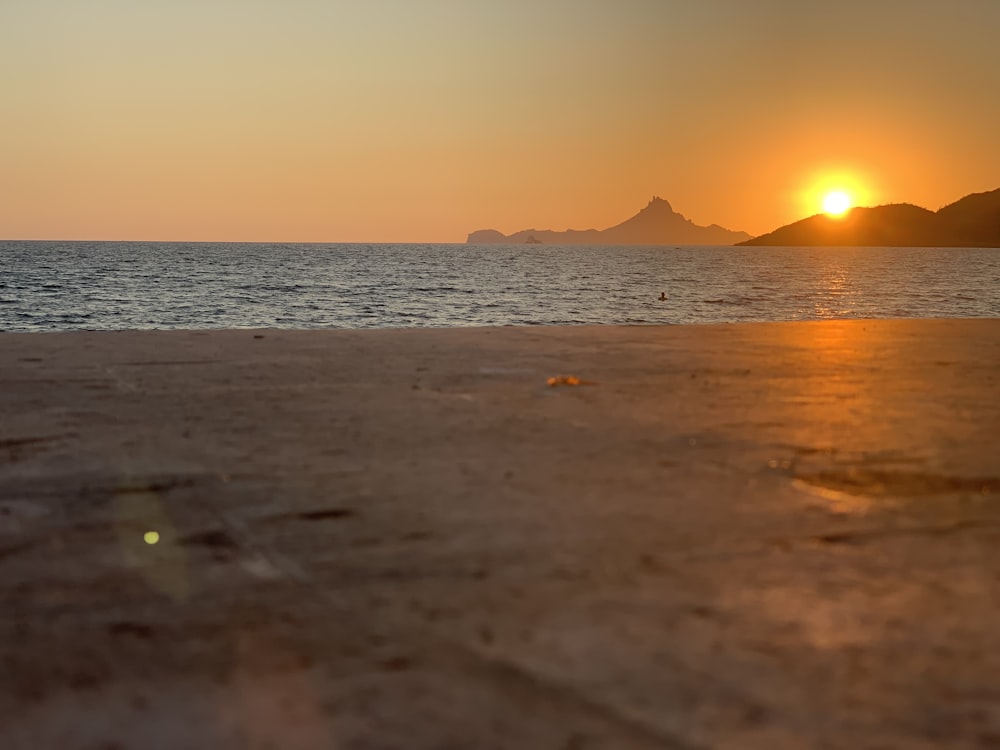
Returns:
(744, 536)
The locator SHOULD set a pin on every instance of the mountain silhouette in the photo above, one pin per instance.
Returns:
(656, 224)
(973, 221)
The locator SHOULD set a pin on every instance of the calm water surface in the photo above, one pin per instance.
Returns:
(46, 286)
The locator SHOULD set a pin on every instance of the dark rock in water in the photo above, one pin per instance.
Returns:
(656, 224)
(486, 237)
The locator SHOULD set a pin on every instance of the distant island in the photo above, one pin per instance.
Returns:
(973, 221)
(656, 224)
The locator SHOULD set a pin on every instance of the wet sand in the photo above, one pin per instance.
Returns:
(776, 535)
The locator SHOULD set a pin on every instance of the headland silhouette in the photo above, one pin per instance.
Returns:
(973, 221)
(656, 224)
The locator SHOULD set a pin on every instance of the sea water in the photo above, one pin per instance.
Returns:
(51, 286)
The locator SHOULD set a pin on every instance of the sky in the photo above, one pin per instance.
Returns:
(423, 120)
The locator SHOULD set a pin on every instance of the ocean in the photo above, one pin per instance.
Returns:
(57, 286)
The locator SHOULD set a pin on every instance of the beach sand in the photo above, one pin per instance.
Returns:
(780, 535)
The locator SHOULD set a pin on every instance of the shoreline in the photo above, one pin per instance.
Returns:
(512, 326)
(722, 535)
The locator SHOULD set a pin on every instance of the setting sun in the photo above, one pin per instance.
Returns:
(835, 189)
(836, 203)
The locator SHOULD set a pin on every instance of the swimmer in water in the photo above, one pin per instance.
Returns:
(663, 296)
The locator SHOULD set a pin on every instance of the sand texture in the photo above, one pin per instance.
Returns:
(776, 535)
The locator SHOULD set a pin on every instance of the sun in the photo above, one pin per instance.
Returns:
(834, 190)
(837, 203)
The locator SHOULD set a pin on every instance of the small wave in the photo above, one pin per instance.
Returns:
(223, 285)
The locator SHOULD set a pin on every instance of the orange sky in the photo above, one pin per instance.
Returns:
(422, 120)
